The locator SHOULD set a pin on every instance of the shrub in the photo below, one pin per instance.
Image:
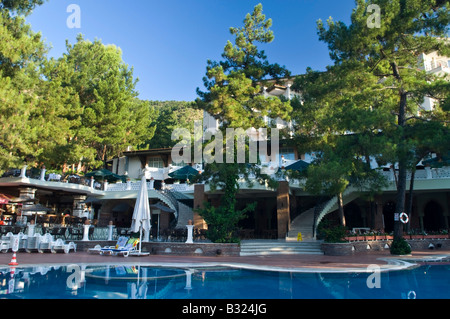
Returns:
(400, 247)
(223, 222)
(335, 234)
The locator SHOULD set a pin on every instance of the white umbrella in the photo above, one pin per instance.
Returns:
(141, 213)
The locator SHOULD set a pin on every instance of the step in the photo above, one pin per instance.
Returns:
(252, 248)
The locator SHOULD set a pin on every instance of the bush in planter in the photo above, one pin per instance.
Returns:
(335, 234)
(400, 247)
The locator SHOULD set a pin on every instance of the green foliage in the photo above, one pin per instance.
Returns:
(335, 234)
(167, 116)
(22, 54)
(331, 233)
(374, 91)
(81, 108)
(400, 247)
(112, 118)
(20, 6)
(234, 86)
(222, 221)
(233, 96)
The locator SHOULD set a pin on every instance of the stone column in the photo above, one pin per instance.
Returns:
(86, 232)
(42, 177)
(283, 209)
(27, 192)
(199, 198)
(78, 208)
(288, 91)
(152, 183)
(110, 230)
(378, 223)
(189, 234)
(23, 172)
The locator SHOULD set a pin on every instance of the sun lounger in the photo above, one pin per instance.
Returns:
(33, 243)
(121, 242)
(5, 242)
(4, 245)
(125, 250)
(23, 239)
(46, 244)
(60, 245)
(97, 249)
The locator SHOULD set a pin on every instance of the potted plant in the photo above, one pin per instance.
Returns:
(335, 234)
(414, 234)
(443, 234)
(370, 236)
(380, 236)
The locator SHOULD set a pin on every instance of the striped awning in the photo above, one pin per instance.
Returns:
(5, 198)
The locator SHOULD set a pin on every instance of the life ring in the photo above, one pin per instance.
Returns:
(404, 218)
(412, 294)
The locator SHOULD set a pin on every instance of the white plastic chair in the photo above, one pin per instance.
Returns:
(47, 243)
(33, 243)
(59, 244)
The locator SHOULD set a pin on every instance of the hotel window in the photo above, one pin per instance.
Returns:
(155, 162)
(288, 153)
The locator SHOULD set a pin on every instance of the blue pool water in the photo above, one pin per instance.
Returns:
(114, 282)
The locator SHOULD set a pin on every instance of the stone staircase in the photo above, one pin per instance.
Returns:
(302, 224)
(279, 247)
(185, 213)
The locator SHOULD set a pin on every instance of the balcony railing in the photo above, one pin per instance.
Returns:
(427, 173)
(134, 186)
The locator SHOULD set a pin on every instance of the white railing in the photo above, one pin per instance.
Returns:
(180, 187)
(427, 173)
(128, 186)
(135, 186)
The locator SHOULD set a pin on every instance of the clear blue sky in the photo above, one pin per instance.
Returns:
(168, 42)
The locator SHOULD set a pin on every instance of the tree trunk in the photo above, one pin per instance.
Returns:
(410, 199)
(402, 166)
(341, 209)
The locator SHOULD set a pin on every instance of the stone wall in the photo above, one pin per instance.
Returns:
(345, 249)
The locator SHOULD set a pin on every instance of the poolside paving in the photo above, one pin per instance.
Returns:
(305, 262)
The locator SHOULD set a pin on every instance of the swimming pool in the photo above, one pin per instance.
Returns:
(145, 282)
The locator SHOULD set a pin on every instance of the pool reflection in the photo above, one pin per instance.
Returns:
(143, 282)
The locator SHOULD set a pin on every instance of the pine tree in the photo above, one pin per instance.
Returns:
(382, 78)
(112, 118)
(22, 52)
(234, 97)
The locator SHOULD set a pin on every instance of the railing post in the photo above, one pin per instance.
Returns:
(110, 230)
(42, 178)
(86, 226)
(23, 172)
(429, 174)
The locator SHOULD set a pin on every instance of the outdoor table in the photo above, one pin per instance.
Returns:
(75, 233)
(58, 232)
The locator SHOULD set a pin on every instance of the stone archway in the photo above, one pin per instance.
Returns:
(118, 211)
(433, 218)
(353, 216)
